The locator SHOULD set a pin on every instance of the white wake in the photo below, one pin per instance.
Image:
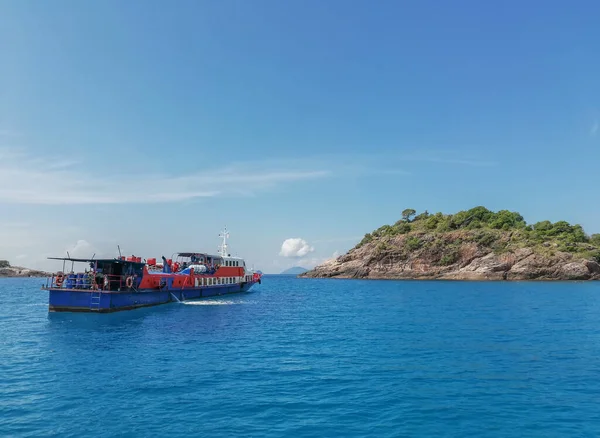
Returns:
(213, 303)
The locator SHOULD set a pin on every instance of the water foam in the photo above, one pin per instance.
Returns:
(213, 303)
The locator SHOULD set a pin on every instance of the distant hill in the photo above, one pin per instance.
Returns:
(6, 270)
(296, 270)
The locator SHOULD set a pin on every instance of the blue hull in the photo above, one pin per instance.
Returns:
(65, 300)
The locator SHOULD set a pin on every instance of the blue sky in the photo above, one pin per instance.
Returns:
(152, 124)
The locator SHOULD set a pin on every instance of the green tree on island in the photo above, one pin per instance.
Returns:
(407, 214)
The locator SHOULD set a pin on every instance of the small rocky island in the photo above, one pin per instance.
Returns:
(476, 244)
(6, 270)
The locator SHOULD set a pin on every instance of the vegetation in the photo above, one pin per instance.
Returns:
(500, 231)
(407, 214)
(4, 264)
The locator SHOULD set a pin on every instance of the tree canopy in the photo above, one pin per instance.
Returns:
(562, 235)
(407, 214)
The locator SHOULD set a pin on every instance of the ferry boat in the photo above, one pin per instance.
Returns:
(125, 283)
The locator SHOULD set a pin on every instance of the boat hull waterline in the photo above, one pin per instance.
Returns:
(74, 300)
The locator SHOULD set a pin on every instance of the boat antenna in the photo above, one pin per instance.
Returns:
(119, 248)
(93, 256)
(68, 256)
(223, 248)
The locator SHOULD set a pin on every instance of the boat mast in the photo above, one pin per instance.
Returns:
(223, 247)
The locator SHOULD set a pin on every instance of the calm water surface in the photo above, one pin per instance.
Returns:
(309, 358)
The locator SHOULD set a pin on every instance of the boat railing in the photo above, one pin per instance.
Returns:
(87, 281)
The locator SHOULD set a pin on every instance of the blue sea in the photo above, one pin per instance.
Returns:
(309, 358)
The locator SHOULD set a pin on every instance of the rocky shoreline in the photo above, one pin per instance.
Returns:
(17, 271)
(522, 265)
(489, 267)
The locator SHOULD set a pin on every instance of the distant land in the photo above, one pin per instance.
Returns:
(476, 244)
(296, 270)
(6, 270)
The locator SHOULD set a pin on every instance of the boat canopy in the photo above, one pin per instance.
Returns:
(76, 260)
(189, 254)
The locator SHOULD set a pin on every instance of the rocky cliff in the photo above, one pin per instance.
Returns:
(473, 246)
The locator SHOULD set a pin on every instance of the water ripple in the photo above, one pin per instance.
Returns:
(308, 358)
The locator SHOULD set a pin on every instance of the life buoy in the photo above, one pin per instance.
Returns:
(59, 279)
(129, 282)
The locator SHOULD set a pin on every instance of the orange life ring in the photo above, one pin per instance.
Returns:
(129, 281)
(59, 279)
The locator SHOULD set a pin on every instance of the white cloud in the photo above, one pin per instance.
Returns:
(28, 180)
(295, 247)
